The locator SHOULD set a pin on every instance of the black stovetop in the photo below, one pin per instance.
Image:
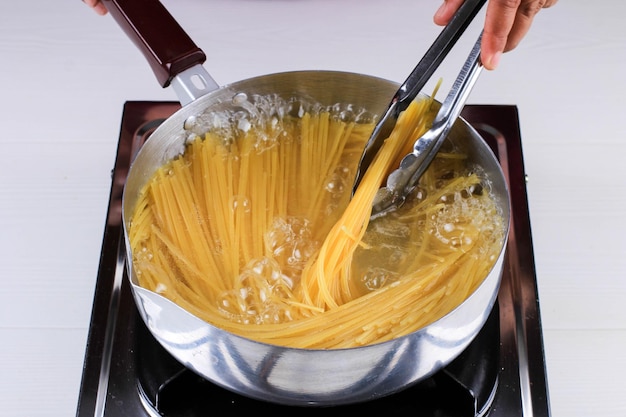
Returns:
(502, 373)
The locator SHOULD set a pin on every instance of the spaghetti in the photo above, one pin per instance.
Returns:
(258, 234)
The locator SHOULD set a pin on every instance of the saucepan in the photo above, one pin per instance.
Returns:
(278, 374)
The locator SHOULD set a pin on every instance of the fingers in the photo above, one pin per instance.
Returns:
(446, 11)
(499, 22)
(97, 6)
(506, 24)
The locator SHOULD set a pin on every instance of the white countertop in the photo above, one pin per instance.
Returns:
(67, 72)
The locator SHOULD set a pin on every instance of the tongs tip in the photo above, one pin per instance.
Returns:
(402, 181)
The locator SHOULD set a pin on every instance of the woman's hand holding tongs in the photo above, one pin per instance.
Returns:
(506, 24)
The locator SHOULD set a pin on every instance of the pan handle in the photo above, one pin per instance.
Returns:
(166, 46)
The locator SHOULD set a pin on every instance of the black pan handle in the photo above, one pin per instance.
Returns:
(163, 42)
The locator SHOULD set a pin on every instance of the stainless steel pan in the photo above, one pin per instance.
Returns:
(274, 373)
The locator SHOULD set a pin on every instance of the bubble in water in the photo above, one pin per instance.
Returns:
(262, 287)
(144, 255)
(240, 202)
(190, 123)
(239, 98)
(265, 115)
(336, 185)
(244, 125)
(376, 277)
(291, 243)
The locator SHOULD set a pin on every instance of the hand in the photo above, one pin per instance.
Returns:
(97, 6)
(506, 24)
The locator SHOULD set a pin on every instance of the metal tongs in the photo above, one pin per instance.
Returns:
(404, 179)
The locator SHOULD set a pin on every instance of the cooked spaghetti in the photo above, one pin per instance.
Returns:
(258, 234)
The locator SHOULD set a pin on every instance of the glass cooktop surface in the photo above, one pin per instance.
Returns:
(501, 373)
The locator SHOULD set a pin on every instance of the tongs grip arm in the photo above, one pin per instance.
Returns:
(437, 52)
(455, 100)
(416, 81)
